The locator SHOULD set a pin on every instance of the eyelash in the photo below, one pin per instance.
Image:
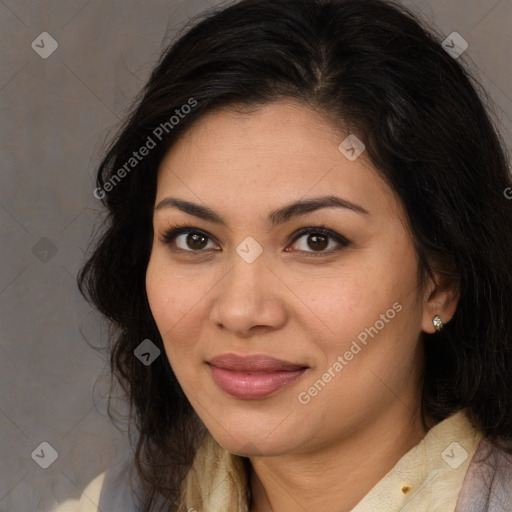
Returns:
(175, 230)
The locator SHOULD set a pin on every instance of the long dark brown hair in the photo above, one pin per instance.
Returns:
(374, 70)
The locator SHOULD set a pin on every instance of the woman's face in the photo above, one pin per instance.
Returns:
(242, 280)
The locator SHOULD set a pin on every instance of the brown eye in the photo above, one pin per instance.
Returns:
(317, 242)
(196, 241)
(188, 240)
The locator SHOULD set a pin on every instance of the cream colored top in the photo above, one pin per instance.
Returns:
(428, 478)
(88, 501)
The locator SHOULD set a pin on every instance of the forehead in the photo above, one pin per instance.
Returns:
(278, 152)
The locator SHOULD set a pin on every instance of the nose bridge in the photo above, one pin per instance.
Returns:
(247, 276)
(249, 263)
(246, 296)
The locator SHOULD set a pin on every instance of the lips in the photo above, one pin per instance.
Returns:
(255, 376)
(254, 363)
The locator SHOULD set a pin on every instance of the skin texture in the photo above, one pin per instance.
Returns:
(294, 302)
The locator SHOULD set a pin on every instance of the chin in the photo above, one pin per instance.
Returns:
(252, 445)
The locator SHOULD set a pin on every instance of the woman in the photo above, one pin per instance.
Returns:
(307, 265)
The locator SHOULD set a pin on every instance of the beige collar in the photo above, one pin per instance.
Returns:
(427, 478)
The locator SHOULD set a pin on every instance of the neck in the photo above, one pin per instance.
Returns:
(338, 475)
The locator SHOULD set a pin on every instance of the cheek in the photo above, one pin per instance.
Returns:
(158, 292)
(365, 305)
(350, 303)
(170, 298)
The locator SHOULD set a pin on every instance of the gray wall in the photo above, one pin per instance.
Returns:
(56, 112)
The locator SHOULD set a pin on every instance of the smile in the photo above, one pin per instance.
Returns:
(253, 376)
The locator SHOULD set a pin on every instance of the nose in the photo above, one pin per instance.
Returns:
(249, 299)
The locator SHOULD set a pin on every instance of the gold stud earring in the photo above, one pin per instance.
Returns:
(438, 323)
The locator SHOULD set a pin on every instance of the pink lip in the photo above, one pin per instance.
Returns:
(254, 376)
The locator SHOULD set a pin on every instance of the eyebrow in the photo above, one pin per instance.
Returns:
(276, 217)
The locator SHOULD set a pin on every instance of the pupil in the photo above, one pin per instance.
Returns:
(196, 241)
(319, 242)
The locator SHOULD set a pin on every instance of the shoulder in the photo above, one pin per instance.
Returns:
(111, 490)
(89, 500)
(488, 482)
(121, 486)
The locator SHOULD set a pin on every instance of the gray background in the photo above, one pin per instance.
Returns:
(56, 114)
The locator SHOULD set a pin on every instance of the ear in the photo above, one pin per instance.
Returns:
(441, 298)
